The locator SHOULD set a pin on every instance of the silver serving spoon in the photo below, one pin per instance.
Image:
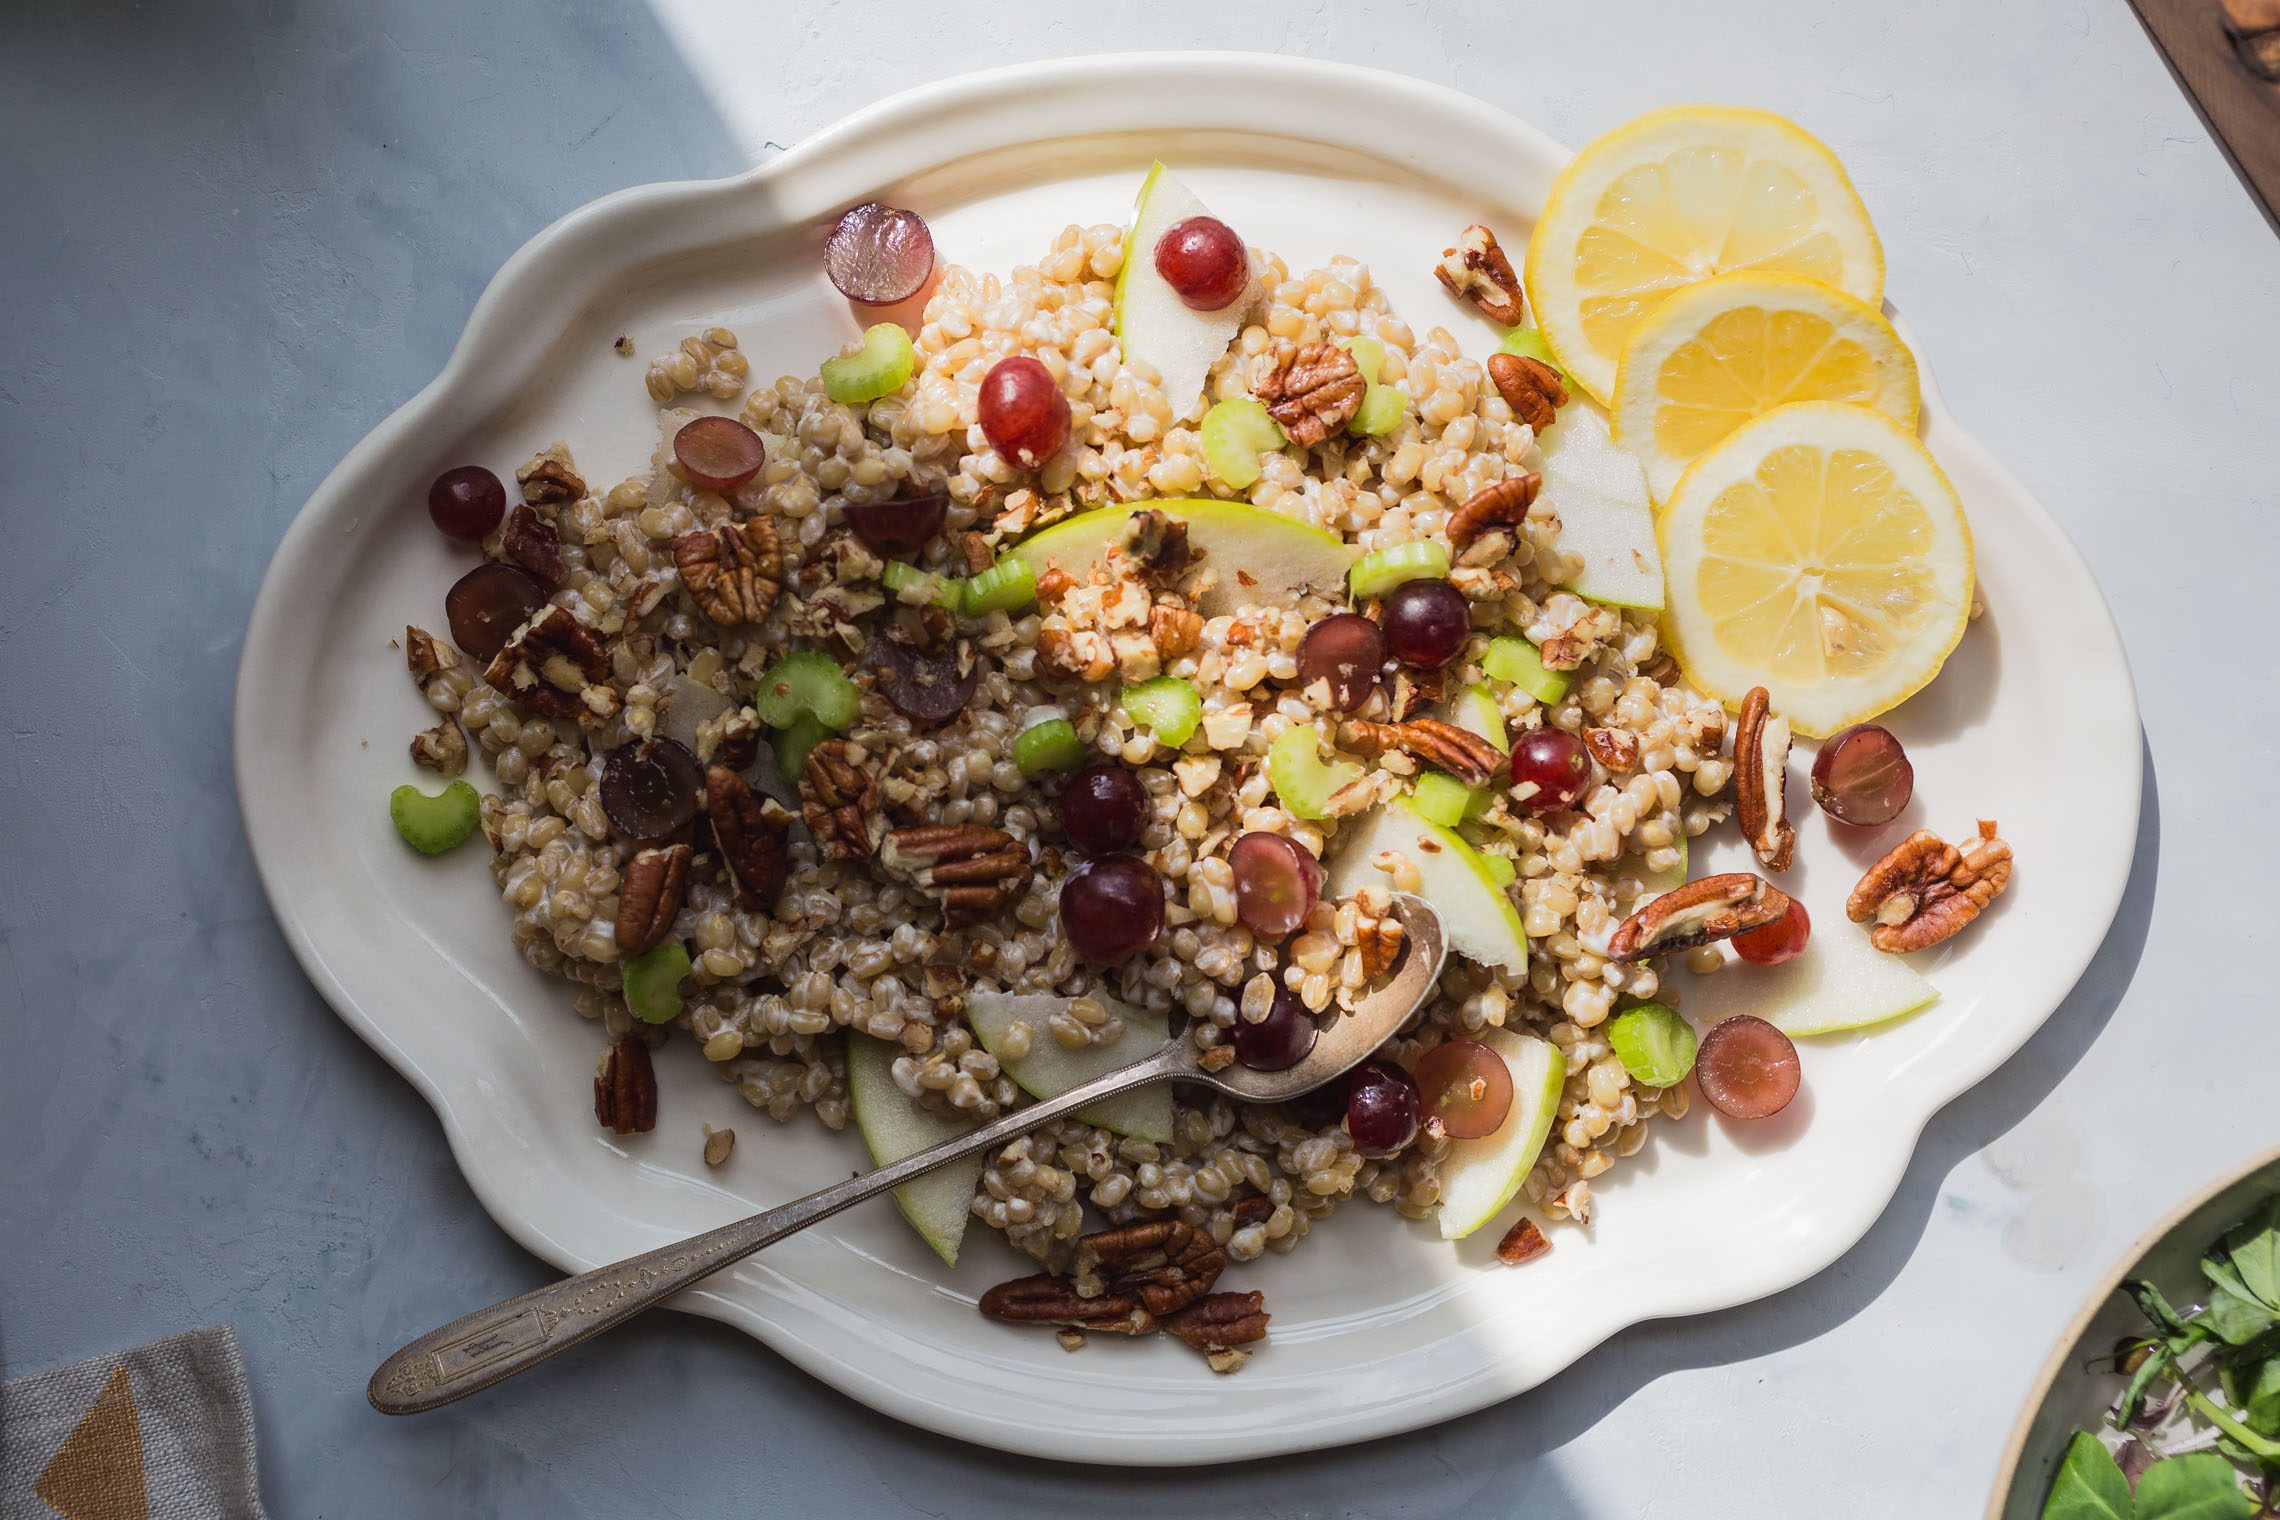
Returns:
(491, 1345)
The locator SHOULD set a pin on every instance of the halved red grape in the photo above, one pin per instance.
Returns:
(718, 453)
(1112, 908)
(1466, 1089)
(1782, 940)
(1862, 776)
(1426, 623)
(486, 606)
(1381, 1108)
(1204, 262)
(1554, 763)
(467, 503)
(1023, 413)
(1747, 1068)
(651, 789)
(1346, 650)
(900, 527)
(1103, 808)
(1280, 1040)
(879, 255)
(930, 685)
(1276, 883)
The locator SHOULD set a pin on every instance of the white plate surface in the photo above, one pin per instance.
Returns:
(1379, 1326)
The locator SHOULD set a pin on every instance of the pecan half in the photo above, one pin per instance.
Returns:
(1167, 1264)
(1478, 270)
(1928, 889)
(1761, 782)
(1045, 1299)
(625, 1088)
(839, 797)
(1699, 913)
(554, 666)
(1222, 1321)
(427, 656)
(442, 749)
(1157, 543)
(1464, 754)
(973, 868)
(1313, 393)
(1531, 387)
(548, 479)
(750, 832)
(650, 896)
(1612, 747)
(734, 571)
(533, 545)
(1523, 1242)
(1487, 527)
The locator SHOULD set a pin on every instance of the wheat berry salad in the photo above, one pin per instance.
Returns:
(1083, 658)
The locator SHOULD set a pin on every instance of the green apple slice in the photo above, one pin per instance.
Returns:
(1606, 516)
(939, 1203)
(1253, 555)
(1475, 711)
(1153, 325)
(1840, 982)
(1476, 912)
(1050, 1069)
(1479, 1177)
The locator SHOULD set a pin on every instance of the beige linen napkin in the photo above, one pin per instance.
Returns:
(160, 1432)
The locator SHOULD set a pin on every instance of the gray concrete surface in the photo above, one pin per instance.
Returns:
(233, 236)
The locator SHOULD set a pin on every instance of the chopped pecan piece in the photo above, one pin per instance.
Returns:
(554, 666)
(1053, 585)
(1477, 270)
(625, 1088)
(1468, 756)
(734, 571)
(1416, 690)
(1045, 1299)
(1167, 1264)
(976, 549)
(1612, 747)
(1928, 889)
(1222, 1322)
(1699, 913)
(1523, 1242)
(1532, 388)
(1487, 527)
(442, 749)
(1157, 543)
(548, 479)
(1378, 937)
(1313, 393)
(975, 869)
(731, 739)
(533, 546)
(750, 831)
(839, 797)
(650, 896)
(427, 656)
(1174, 629)
(1761, 782)
(1217, 1058)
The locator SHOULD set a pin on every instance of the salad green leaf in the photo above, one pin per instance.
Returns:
(2090, 1485)
(2198, 1486)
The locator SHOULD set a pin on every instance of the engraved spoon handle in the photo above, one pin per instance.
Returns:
(491, 1345)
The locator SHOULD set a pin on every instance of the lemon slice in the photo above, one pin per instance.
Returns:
(1678, 196)
(1717, 354)
(1818, 552)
